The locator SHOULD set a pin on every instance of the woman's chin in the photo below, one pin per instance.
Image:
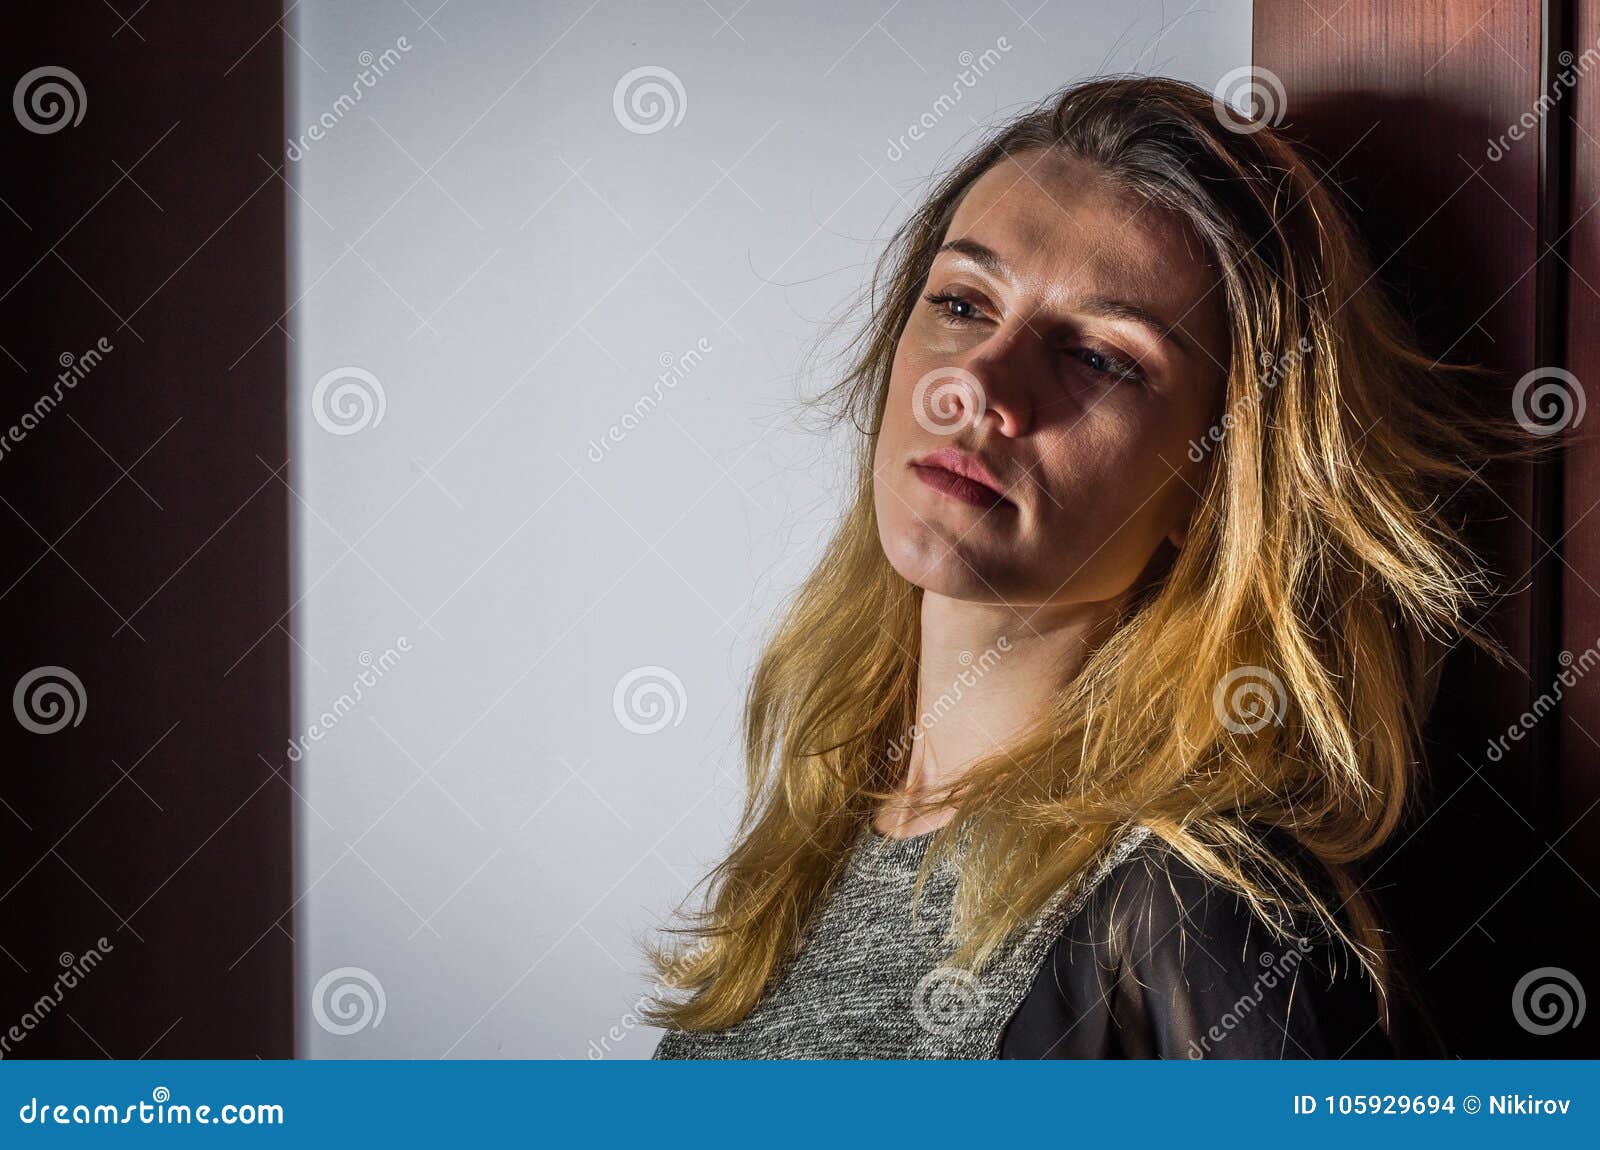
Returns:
(923, 558)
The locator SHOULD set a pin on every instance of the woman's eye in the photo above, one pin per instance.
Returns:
(953, 308)
(958, 311)
(1110, 366)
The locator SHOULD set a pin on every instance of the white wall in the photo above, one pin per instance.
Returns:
(480, 835)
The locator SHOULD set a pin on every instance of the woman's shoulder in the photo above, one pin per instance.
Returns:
(1163, 960)
(1153, 896)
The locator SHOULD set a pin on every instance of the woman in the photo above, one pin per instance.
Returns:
(1070, 745)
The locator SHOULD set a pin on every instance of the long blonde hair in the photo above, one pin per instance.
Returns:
(1320, 576)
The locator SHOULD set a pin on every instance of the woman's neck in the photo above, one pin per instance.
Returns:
(985, 673)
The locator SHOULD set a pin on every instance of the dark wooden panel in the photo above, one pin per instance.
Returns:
(147, 536)
(1580, 761)
(1576, 824)
(1401, 102)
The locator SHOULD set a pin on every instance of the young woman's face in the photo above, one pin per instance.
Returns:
(1075, 344)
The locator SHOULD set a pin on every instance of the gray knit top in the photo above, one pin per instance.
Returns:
(869, 980)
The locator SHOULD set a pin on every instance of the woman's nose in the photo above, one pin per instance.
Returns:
(1005, 369)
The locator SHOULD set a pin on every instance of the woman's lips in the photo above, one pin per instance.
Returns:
(960, 487)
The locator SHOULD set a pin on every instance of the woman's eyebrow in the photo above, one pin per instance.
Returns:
(985, 257)
(989, 260)
(1134, 313)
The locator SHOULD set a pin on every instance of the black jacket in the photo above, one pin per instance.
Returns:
(1163, 962)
